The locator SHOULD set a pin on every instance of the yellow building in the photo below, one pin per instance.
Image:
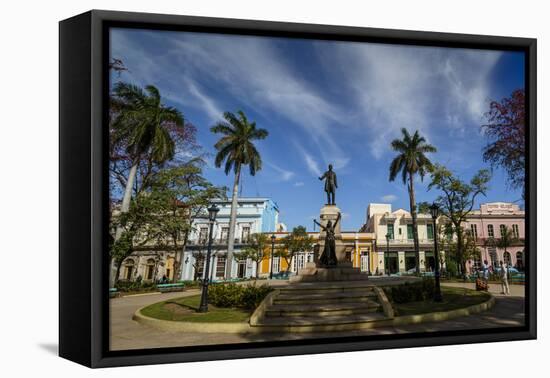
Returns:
(360, 251)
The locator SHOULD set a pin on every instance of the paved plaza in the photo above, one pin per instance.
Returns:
(128, 334)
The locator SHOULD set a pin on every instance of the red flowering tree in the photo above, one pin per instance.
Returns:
(505, 129)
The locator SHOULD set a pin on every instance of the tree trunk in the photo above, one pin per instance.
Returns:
(178, 256)
(127, 197)
(414, 222)
(460, 250)
(232, 223)
(117, 274)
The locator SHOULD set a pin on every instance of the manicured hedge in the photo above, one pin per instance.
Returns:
(411, 291)
(233, 295)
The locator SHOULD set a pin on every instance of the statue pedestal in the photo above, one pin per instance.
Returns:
(344, 270)
(341, 272)
(331, 212)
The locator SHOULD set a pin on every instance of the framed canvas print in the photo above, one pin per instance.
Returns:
(233, 188)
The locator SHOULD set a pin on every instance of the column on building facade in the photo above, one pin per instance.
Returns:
(422, 260)
(401, 260)
(380, 262)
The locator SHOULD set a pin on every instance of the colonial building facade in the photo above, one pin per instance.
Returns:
(395, 254)
(487, 226)
(254, 215)
(359, 249)
(367, 249)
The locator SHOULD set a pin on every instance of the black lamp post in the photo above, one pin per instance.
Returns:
(387, 259)
(212, 212)
(272, 251)
(434, 210)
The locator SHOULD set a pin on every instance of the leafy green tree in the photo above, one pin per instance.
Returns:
(410, 161)
(236, 148)
(456, 201)
(297, 241)
(183, 194)
(255, 250)
(136, 230)
(164, 212)
(470, 250)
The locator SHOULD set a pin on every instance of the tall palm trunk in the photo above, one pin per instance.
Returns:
(123, 209)
(127, 196)
(232, 223)
(414, 222)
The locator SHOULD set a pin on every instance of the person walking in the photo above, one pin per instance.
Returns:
(485, 269)
(504, 279)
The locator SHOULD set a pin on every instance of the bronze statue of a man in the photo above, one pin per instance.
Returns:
(330, 185)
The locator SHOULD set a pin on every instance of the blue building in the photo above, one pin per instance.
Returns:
(254, 215)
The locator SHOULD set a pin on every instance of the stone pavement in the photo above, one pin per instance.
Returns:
(128, 334)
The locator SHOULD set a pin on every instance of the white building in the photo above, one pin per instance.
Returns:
(254, 215)
(398, 254)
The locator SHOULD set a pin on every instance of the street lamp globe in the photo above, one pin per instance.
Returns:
(212, 212)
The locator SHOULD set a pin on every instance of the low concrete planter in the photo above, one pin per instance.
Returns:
(177, 326)
(244, 328)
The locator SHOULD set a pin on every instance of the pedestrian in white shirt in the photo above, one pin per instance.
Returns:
(485, 268)
(504, 279)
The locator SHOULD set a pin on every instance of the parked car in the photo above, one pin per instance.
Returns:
(511, 270)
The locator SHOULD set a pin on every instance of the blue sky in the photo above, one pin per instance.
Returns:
(328, 102)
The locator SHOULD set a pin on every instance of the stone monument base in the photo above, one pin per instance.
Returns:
(344, 271)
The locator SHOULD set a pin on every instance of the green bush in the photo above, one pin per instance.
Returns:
(451, 268)
(128, 286)
(411, 291)
(253, 295)
(233, 295)
(190, 284)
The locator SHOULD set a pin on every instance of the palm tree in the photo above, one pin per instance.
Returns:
(411, 160)
(142, 124)
(507, 238)
(236, 148)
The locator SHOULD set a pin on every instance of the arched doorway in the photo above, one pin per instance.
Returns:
(170, 268)
(519, 261)
(507, 258)
(150, 269)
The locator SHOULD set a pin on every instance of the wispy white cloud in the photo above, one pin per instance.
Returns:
(207, 103)
(299, 183)
(255, 72)
(389, 198)
(283, 174)
(419, 88)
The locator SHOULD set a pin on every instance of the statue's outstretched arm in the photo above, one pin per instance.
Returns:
(319, 224)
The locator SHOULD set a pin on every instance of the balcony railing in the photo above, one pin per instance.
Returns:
(408, 241)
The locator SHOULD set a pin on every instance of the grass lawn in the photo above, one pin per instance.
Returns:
(453, 298)
(185, 309)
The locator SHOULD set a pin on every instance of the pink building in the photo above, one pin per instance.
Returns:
(487, 225)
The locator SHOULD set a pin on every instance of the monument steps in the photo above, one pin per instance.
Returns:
(335, 297)
(323, 309)
(327, 320)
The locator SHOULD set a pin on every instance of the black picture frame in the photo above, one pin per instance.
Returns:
(83, 196)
